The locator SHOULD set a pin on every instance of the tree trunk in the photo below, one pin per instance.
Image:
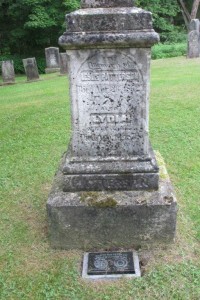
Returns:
(195, 7)
(185, 20)
(186, 15)
(184, 9)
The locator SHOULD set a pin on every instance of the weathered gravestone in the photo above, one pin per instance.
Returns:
(8, 72)
(31, 69)
(52, 60)
(63, 64)
(194, 39)
(108, 191)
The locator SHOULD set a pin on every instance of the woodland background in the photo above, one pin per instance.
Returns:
(29, 26)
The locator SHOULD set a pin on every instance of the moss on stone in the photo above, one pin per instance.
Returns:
(163, 171)
(96, 199)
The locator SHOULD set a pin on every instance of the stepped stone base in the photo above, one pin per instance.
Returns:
(108, 175)
(107, 220)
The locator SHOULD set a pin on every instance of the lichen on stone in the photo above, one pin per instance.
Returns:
(163, 171)
(97, 199)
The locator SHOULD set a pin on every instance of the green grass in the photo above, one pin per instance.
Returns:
(35, 129)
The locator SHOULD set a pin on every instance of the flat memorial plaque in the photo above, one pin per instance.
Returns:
(110, 265)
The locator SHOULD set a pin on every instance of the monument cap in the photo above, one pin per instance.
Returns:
(106, 3)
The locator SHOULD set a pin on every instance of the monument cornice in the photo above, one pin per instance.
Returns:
(78, 40)
(109, 19)
(107, 27)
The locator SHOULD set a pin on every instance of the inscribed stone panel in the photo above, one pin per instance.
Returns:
(109, 102)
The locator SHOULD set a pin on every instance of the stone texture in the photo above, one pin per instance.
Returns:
(107, 220)
(106, 3)
(194, 39)
(8, 72)
(63, 64)
(76, 40)
(52, 60)
(115, 19)
(31, 69)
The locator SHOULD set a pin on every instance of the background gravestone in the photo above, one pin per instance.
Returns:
(8, 72)
(108, 191)
(52, 60)
(63, 64)
(194, 39)
(31, 69)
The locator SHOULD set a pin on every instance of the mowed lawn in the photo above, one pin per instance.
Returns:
(35, 130)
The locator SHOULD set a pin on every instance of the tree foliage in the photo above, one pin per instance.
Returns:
(28, 26)
(164, 13)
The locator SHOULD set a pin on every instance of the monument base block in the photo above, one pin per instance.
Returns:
(111, 220)
(52, 70)
(108, 174)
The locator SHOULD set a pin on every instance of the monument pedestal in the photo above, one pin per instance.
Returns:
(109, 192)
(111, 220)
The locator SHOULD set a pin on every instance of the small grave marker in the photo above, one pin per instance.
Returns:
(63, 64)
(52, 60)
(31, 69)
(110, 265)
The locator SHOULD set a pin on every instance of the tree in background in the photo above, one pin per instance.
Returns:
(186, 7)
(27, 26)
(164, 15)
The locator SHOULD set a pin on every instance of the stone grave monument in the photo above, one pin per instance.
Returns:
(31, 69)
(194, 39)
(8, 72)
(52, 60)
(63, 64)
(109, 191)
